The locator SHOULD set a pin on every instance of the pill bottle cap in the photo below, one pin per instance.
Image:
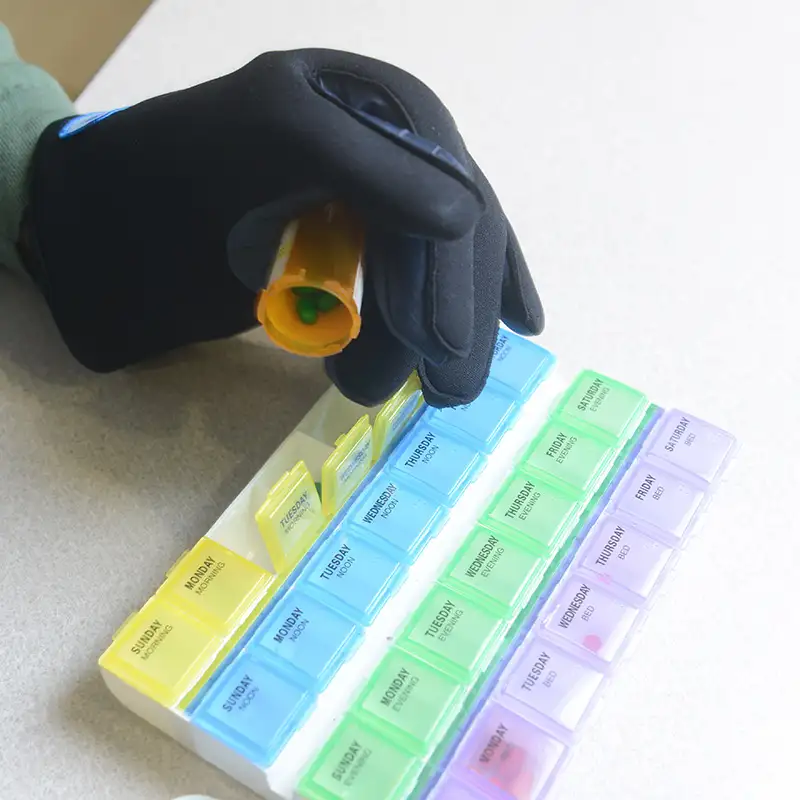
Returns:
(312, 303)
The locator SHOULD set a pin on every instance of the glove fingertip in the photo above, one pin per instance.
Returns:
(522, 308)
(460, 394)
(525, 318)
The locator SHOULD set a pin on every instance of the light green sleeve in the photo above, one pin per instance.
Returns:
(30, 100)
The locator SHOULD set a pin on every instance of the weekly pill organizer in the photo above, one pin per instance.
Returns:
(408, 602)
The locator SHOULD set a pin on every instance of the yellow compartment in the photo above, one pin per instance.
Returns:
(291, 517)
(216, 585)
(346, 466)
(162, 651)
(392, 419)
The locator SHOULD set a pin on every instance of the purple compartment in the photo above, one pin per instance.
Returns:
(594, 622)
(621, 557)
(449, 788)
(691, 444)
(507, 758)
(661, 500)
(547, 681)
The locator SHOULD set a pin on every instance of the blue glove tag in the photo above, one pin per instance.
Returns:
(79, 123)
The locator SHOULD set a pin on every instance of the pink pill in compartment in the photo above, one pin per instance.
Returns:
(660, 499)
(619, 554)
(507, 758)
(691, 444)
(548, 681)
(591, 619)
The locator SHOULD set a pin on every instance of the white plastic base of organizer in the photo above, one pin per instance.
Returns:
(312, 441)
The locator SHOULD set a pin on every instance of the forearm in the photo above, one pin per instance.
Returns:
(30, 99)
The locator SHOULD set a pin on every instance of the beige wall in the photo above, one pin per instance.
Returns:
(71, 39)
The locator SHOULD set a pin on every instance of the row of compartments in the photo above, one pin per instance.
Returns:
(421, 685)
(522, 737)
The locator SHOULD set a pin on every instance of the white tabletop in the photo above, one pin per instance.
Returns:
(647, 154)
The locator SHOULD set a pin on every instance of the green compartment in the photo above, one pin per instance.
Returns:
(493, 568)
(452, 633)
(607, 405)
(532, 510)
(410, 701)
(570, 455)
(357, 763)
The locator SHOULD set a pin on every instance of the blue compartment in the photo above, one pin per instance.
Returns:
(439, 464)
(254, 709)
(519, 364)
(482, 422)
(353, 577)
(308, 636)
(394, 516)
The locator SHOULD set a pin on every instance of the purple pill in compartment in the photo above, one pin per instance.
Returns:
(619, 555)
(507, 758)
(660, 499)
(691, 444)
(548, 681)
(590, 619)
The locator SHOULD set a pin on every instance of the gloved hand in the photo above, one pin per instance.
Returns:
(154, 227)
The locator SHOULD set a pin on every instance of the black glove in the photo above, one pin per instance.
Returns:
(155, 226)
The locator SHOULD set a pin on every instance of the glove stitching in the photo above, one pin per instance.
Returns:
(433, 302)
(530, 317)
